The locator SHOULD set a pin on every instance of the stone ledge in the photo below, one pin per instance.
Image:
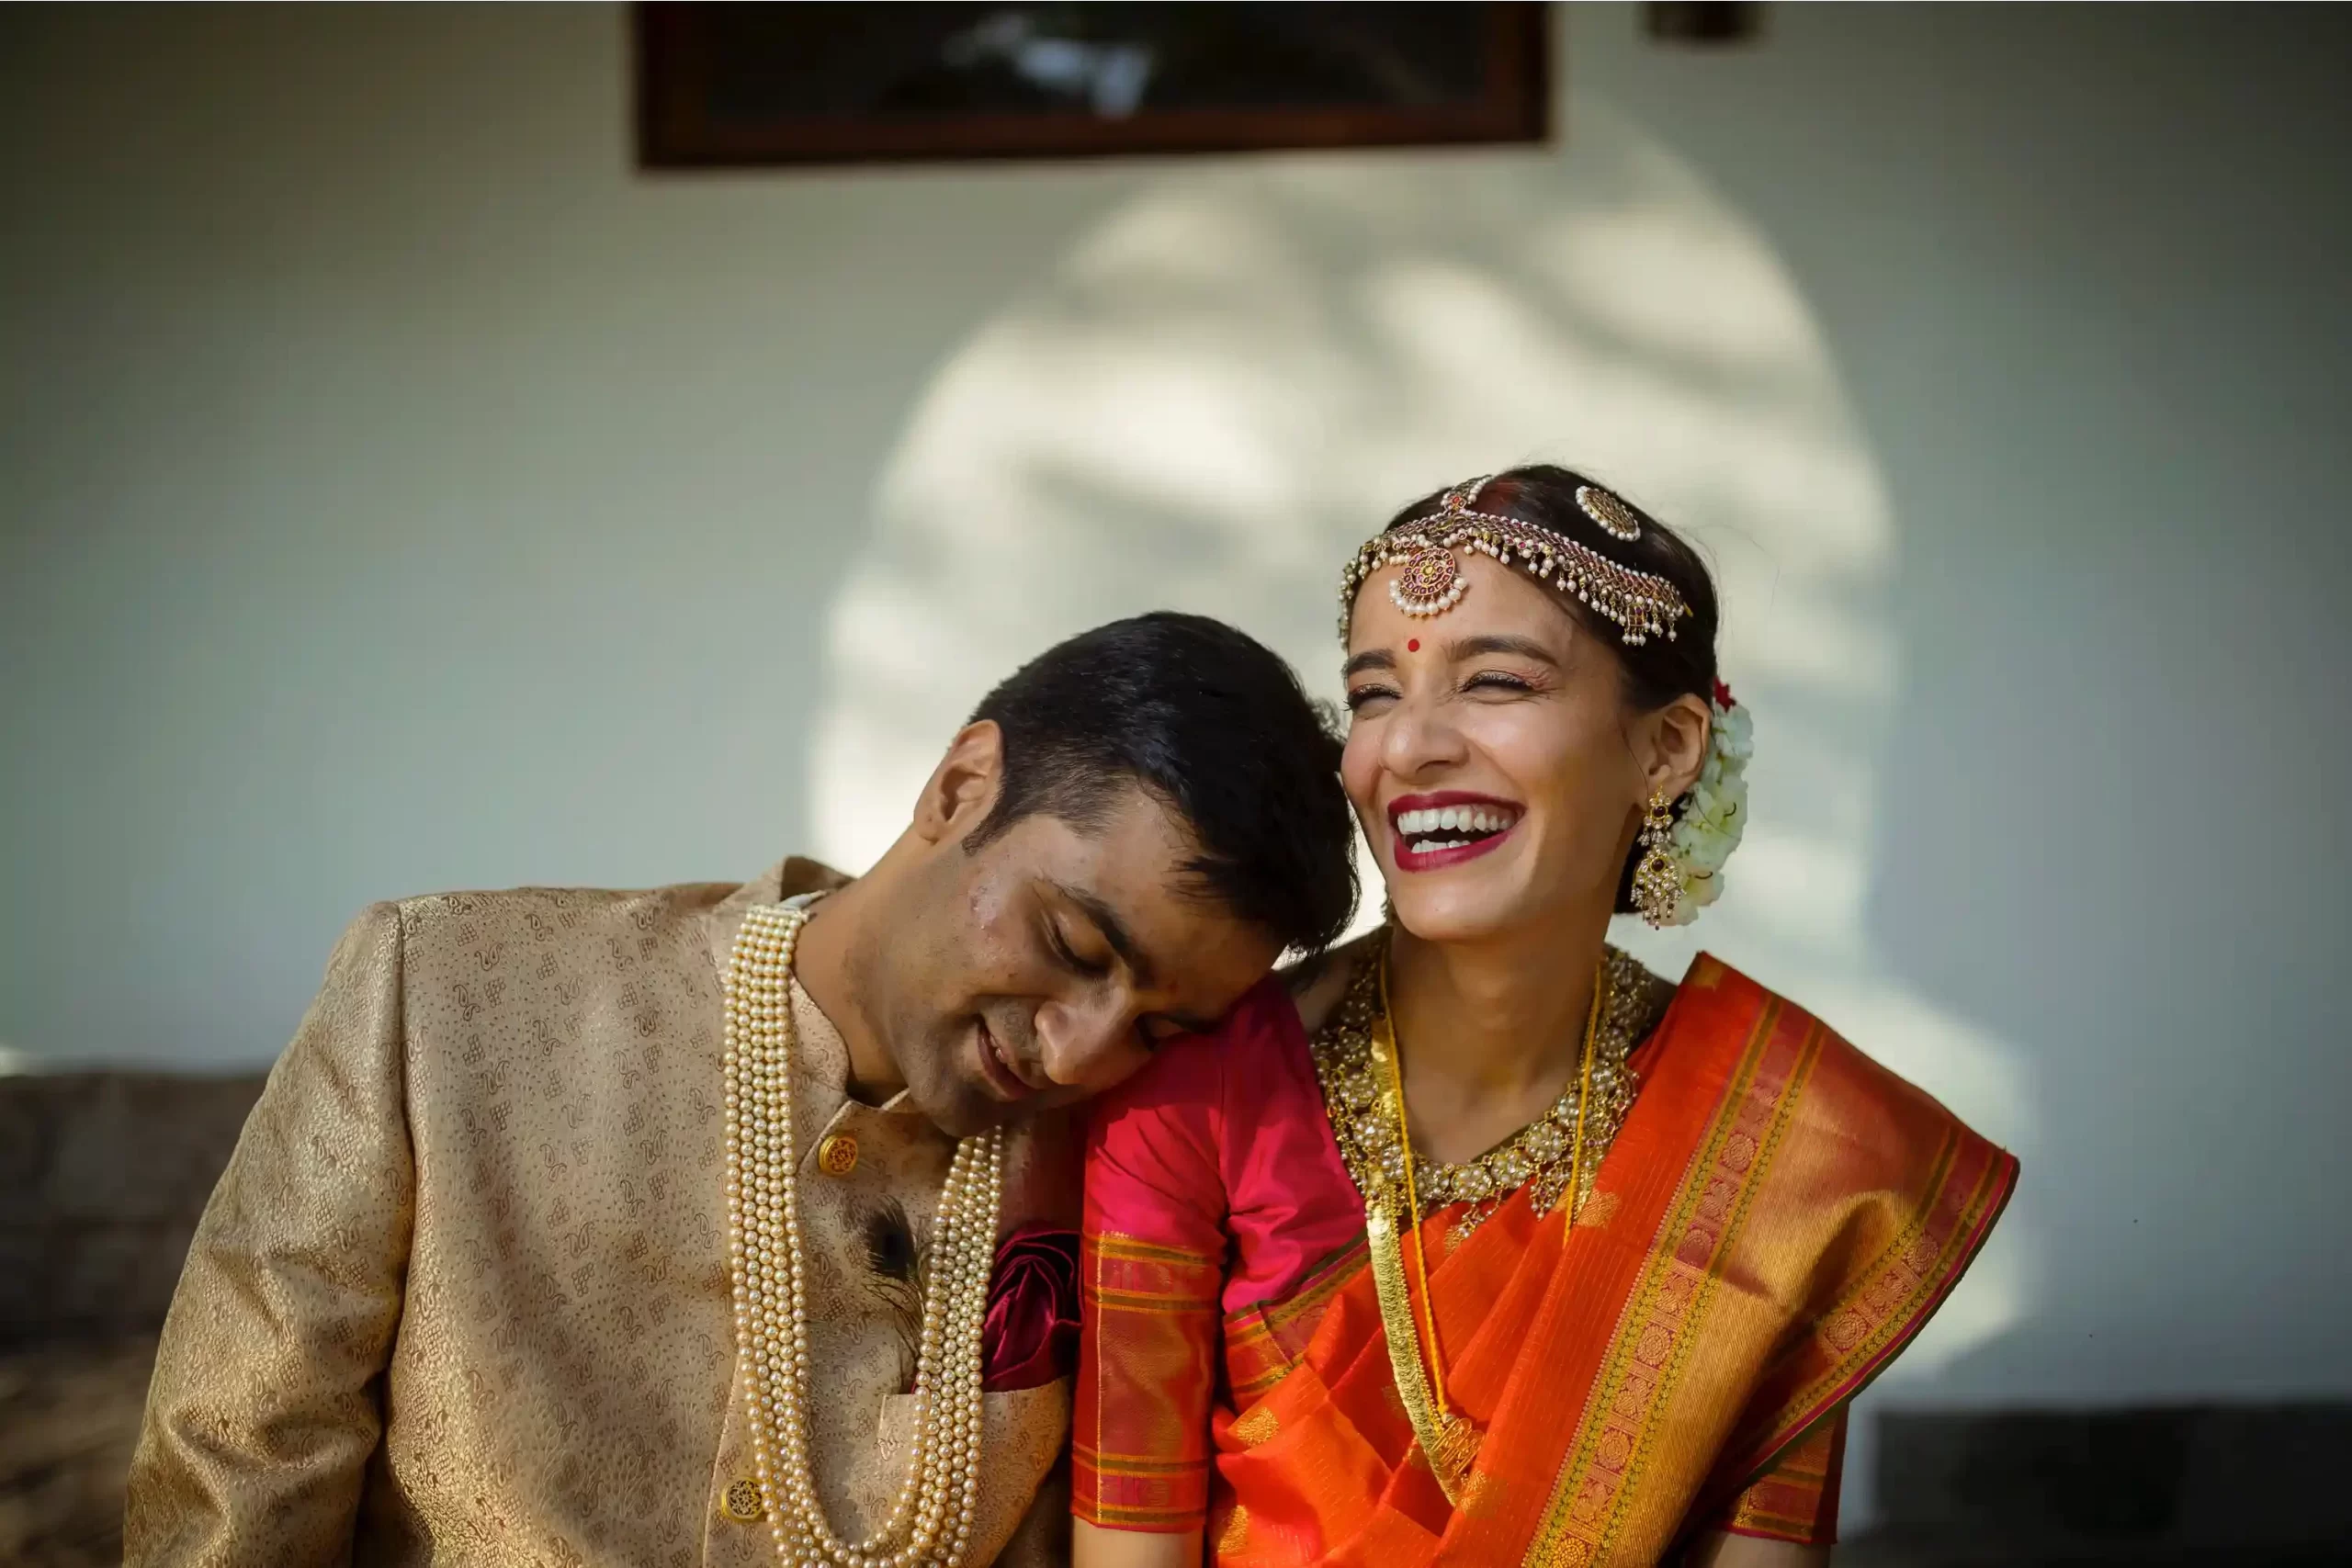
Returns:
(2143, 1485)
(69, 1418)
(103, 1177)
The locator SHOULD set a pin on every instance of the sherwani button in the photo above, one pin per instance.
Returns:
(837, 1156)
(741, 1501)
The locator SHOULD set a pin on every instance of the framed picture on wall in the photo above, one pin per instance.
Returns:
(753, 84)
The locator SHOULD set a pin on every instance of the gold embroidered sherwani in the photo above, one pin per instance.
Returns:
(462, 1295)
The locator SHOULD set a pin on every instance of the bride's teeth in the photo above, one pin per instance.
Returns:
(1452, 819)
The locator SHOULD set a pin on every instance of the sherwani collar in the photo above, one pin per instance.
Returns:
(791, 875)
(823, 1059)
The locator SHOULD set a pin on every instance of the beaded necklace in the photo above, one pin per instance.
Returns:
(931, 1524)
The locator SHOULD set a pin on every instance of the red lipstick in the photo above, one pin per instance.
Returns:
(1444, 828)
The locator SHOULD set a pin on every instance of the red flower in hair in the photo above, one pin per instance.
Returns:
(1722, 696)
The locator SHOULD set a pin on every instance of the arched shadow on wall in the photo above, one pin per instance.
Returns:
(1234, 378)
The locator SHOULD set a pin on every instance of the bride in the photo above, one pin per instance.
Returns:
(1478, 1243)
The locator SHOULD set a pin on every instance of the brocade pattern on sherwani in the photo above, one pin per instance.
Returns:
(462, 1295)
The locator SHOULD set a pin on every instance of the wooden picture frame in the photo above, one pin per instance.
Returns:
(753, 84)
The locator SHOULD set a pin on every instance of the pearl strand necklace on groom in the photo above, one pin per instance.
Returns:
(931, 1524)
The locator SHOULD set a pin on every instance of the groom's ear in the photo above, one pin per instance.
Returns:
(965, 787)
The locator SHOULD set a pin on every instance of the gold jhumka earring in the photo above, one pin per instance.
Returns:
(1658, 884)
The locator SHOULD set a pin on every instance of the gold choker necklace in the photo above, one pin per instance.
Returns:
(931, 1525)
(1536, 1156)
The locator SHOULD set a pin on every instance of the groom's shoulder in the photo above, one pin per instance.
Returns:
(490, 929)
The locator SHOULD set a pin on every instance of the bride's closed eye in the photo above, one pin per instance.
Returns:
(1502, 681)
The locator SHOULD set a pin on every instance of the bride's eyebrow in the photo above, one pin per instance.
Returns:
(1370, 658)
(1525, 648)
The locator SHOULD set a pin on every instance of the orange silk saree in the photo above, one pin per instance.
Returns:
(1776, 1219)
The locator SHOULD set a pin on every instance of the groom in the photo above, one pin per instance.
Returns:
(464, 1295)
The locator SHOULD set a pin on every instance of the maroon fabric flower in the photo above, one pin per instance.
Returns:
(1030, 1337)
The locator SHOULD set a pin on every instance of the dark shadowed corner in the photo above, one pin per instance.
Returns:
(102, 1179)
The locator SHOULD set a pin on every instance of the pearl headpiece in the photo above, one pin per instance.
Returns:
(1640, 604)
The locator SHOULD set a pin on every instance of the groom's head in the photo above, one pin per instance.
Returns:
(1125, 837)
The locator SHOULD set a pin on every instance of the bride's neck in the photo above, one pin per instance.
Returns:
(1495, 1016)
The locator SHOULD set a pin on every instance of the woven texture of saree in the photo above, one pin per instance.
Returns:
(1777, 1218)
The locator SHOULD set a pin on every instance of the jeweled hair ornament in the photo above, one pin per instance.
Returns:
(1641, 604)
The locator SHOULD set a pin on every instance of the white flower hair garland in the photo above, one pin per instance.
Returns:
(1714, 814)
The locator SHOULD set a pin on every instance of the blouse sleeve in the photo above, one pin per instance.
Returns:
(1796, 1499)
(1150, 1269)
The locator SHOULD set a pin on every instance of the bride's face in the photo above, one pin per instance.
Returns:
(1492, 758)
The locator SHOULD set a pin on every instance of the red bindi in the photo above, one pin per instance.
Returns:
(1413, 645)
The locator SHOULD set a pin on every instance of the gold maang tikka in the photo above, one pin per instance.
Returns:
(1641, 604)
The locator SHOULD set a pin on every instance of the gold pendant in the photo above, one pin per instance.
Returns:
(1456, 1451)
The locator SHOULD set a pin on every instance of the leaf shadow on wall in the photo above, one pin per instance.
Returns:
(1240, 373)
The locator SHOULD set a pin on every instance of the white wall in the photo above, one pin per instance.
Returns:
(398, 492)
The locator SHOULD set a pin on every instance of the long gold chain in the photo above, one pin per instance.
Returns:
(1448, 1436)
(930, 1525)
(1396, 1057)
(1555, 1158)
